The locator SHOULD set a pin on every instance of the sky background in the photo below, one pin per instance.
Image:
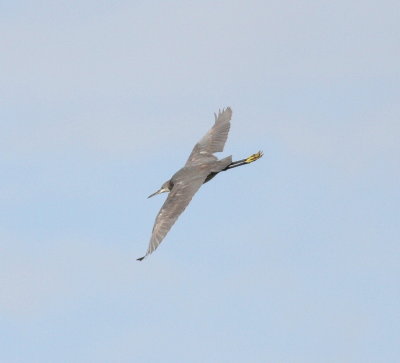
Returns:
(295, 258)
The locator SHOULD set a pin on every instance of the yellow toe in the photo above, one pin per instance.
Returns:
(254, 157)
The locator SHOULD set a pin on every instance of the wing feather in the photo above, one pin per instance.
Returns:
(213, 141)
(185, 187)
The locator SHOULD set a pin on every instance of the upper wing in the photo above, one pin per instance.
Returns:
(214, 140)
(185, 186)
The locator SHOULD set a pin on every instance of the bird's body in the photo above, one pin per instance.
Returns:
(200, 167)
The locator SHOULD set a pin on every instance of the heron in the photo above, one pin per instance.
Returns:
(200, 168)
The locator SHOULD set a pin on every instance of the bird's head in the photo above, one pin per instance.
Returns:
(166, 187)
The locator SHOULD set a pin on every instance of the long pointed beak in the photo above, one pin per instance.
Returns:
(157, 192)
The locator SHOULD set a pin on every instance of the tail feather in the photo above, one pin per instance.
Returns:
(222, 164)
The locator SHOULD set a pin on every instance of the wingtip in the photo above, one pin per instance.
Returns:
(221, 111)
(140, 258)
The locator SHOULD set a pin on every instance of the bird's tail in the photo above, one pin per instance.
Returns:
(222, 164)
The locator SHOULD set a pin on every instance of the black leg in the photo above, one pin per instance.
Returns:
(248, 160)
(234, 164)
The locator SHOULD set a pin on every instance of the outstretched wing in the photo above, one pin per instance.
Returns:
(213, 141)
(186, 184)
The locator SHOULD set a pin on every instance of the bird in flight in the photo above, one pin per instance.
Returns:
(201, 167)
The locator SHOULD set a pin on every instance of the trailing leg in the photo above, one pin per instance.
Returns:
(234, 164)
(248, 160)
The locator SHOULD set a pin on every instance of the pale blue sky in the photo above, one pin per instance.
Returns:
(292, 259)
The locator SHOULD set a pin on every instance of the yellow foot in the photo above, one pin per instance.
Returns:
(254, 157)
